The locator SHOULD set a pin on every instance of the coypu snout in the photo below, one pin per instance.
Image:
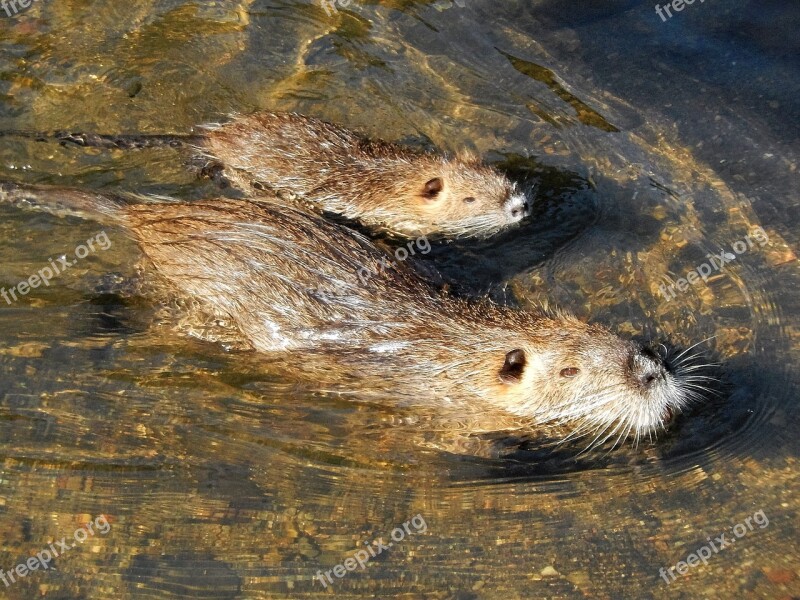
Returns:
(648, 393)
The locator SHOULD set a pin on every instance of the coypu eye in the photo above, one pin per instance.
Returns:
(570, 372)
(513, 366)
(469, 199)
(433, 187)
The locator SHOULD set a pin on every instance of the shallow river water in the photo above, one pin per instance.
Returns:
(653, 142)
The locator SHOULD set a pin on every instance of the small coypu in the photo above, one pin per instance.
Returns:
(337, 171)
(256, 265)
(378, 183)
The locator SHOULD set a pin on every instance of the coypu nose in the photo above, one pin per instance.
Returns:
(647, 367)
(650, 376)
(517, 207)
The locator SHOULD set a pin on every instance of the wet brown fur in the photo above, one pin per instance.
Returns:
(381, 184)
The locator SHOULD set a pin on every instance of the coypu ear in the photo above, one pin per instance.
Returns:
(432, 188)
(513, 366)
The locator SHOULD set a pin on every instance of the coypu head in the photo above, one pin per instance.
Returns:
(461, 197)
(587, 380)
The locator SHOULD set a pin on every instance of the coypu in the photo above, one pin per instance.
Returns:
(334, 170)
(256, 266)
(380, 184)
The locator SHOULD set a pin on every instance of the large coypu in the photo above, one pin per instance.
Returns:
(256, 266)
(334, 170)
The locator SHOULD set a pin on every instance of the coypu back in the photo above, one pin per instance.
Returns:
(288, 278)
(381, 184)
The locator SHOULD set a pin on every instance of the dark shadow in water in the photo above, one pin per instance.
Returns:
(114, 308)
(740, 421)
(757, 23)
(574, 14)
(107, 315)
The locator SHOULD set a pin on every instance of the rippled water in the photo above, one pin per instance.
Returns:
(653, 144)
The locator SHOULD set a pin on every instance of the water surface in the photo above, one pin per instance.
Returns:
(653, 145)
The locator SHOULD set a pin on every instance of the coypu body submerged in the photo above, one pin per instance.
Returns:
(257, 266)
